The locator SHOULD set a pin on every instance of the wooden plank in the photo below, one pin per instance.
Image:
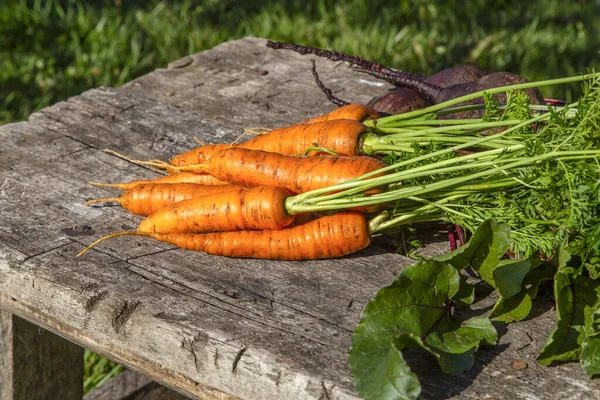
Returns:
(209, 327)
(37, 364)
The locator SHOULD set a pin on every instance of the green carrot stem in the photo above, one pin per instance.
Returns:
(475, 160)
(370, 143)
(433, 122)
(351, 188)
(440, 204)
(378, 219)
(400, 176)
(302, 203)
(452, 139)
(468, 127)
(471, 107)
(367, 150)
(407, 218)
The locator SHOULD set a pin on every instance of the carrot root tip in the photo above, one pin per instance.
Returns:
(100, 184)
(106, 200)
(112, 235)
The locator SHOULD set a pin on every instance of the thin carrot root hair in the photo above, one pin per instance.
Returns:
(104, 200)
(252, 131)
(101, 184)
(258, 131)
(201, 167)
(200, 142)
(129, 159)
(112, 235)
(154, 163)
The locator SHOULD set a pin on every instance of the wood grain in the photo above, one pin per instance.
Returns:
(210, 327)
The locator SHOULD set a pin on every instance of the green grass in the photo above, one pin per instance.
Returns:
(53, 49)
(97, 370)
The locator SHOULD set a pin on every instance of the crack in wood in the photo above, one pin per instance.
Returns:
(40, 115)
(92, 303)
(278, 378)
(127, 260)
(169, 317)
(324, 392)
(90, 146)
(118, 260)
(193, 345)
(275, 377)
(237, 359)
(195, 356)
(71, 153)
(88, 287)
(350, 304)
(122, 110)
(78, 230)
(122, 314)
(44, 252)
(153, 141)
(216, 357)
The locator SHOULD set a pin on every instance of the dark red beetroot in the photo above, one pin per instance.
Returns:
(398, 101)
(401, 100)
(456, 75)
(490, 81)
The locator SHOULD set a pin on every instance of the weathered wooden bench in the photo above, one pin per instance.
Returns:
(207, 327)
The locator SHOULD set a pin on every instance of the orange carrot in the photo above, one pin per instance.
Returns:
(340, 135)
(188, 177)
(327, 237)
(356, 112)
(246, 208)
(147, 198)
(297, 174)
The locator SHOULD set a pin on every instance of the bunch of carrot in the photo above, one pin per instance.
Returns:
(230, 199)
(254, 199)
